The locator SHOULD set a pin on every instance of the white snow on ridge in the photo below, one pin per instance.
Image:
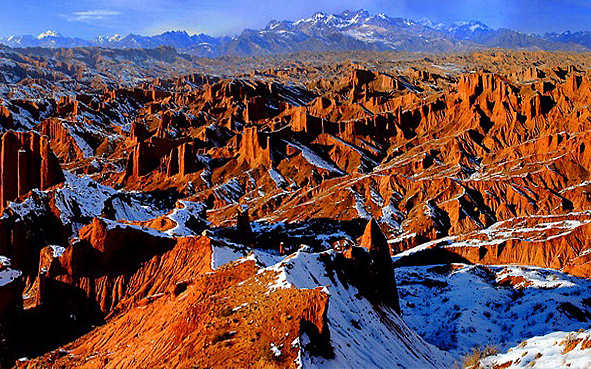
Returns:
(227, 254)
(8, 275)
(223, 255)
(48, 33)
(544, 229)
(81, 195)
(111, 224)
(133, 209)
(57, 250)
(230, 191)
(281, 281)
(546, 352)
(505, 230)
(419, 248)
(360, 205)
(360, 336)
(29, 205)
(182, 215)
(314, 159)
(277, 178)
(534, 277)
(389, 215)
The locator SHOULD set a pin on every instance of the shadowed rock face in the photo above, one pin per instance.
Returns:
(374, 240)
(243, 229)
(374, 269)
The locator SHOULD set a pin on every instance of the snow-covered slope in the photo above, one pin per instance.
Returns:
(457, 307)
(362, 336)
(554, 350)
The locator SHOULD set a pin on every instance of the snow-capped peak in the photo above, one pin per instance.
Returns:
(429, 23)
(354, 13)
(318, 16)
(48, 33)
(472, 26)
(408, 22)
(320, 19)
(273, 24)
(113, 38)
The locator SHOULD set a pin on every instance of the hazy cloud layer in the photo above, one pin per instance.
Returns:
(92, 15)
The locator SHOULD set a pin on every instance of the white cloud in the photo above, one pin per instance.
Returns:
(92, 15)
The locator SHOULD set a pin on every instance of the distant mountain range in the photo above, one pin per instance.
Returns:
(349, 30)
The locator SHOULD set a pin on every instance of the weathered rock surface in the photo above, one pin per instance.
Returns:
(27, 162)
(196, 323)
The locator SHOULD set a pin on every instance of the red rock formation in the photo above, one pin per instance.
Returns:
(138, 132)
(164, 123)
(62, 142)
(254, 148)
(186, 159)
(558, 242)
(146, 156)
(67, 106)
(27, 162)
(197, 324)
(115, 288)
(9, 167)
(255, 109)
(117, 243)
(373, 239)
(51, 173)
(427, 154)
(6, 119)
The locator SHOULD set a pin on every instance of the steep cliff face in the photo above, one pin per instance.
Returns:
(197, 323)
(27, 162)
(377, 276)
(113, 278)
(254, 149)
(63, 143)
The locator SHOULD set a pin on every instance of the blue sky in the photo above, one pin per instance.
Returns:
(90, 18)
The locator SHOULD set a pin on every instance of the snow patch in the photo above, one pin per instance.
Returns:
(58, 251)
(546, 352)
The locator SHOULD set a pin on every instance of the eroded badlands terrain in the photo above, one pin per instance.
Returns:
(325, 210)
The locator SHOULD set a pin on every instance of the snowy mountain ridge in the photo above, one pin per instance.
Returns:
(348, 30)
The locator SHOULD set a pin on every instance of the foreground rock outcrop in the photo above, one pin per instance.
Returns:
(244, 316)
